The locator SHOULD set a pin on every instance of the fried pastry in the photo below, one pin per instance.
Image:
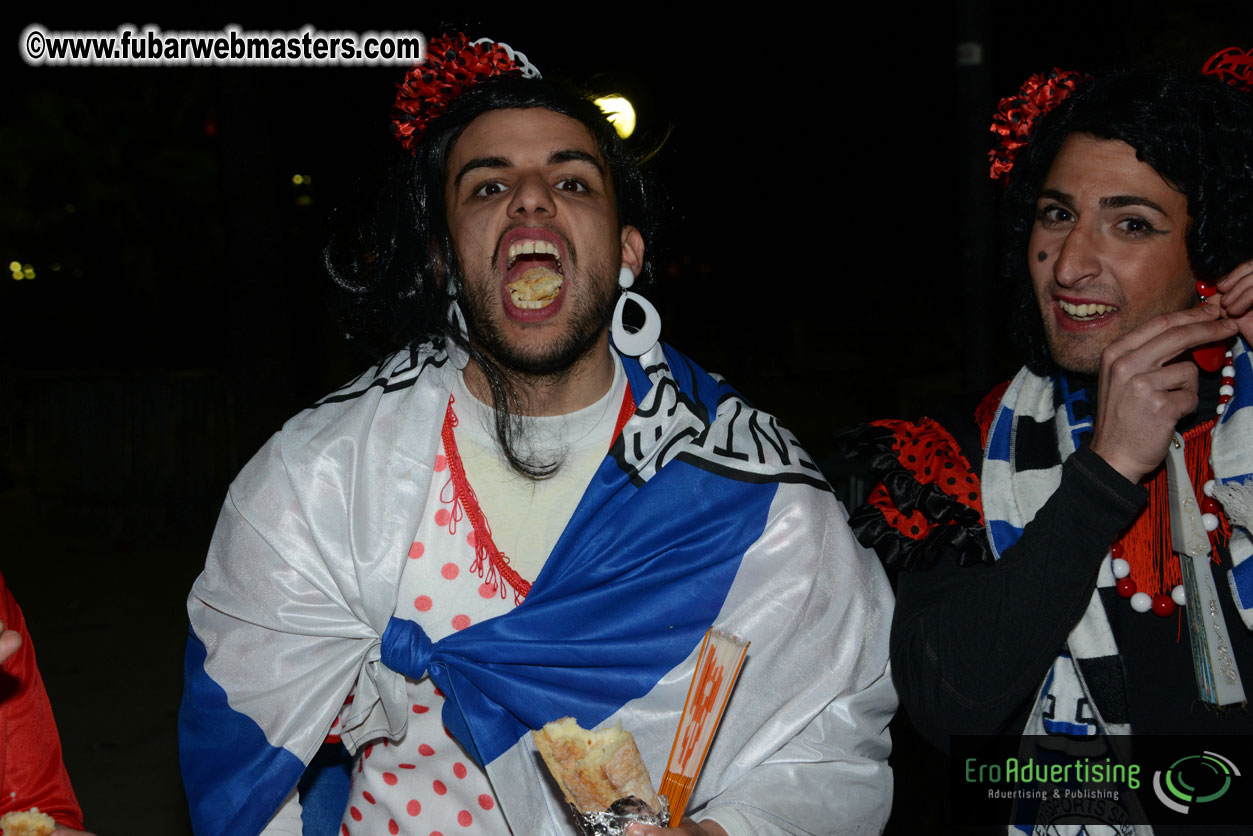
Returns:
(594, 768)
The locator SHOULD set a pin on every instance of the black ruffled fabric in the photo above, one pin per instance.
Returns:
(953, 526)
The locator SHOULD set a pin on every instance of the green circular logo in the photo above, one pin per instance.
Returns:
(1194, 779)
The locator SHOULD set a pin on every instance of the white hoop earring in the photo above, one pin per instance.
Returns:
(635, 343)
(625, 277)
(459, 356)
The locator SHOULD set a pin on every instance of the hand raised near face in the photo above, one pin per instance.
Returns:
(1145, 387)
(1235, 297)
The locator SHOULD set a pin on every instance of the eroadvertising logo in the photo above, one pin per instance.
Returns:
(1037, 783)
(1051, 788)
(1194, 780)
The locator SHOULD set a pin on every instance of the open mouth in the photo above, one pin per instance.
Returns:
(1086, 312)
(535, 266)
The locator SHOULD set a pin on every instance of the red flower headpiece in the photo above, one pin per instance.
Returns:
(1016, 114)
(1232, 65)
(453, 65)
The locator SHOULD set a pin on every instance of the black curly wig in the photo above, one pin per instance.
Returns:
(391, 266)
(1195, 131)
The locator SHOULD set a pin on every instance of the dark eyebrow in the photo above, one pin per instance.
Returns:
(479, 162)
(575, 156)
(1121, 200)
(1117, 201)
(1059, 196)
(555, 158)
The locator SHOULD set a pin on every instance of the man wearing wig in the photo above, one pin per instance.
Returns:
(1056, 537)
(516, 519)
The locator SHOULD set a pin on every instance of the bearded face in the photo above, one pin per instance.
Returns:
(535, 228)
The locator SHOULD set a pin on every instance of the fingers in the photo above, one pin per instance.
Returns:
(1164, 338)
(1148, 331)
(1238, 301)
(1242, 273)
(1169, 391)
(1235, 290)
(1136, 417)
(1143, 394)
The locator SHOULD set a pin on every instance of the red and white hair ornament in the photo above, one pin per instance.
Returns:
(453, 64)
(1232, 65)
(1017, 114)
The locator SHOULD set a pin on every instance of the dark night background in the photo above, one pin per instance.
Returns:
(831, 251)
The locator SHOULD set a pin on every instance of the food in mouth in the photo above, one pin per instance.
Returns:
(537, 288)
(541, 279)
(1087, 311)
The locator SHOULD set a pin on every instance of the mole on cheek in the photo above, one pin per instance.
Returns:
(1041, 256)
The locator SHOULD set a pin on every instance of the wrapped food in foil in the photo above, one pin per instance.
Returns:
(624, 811)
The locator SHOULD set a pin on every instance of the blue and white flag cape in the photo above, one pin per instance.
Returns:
(705, 511)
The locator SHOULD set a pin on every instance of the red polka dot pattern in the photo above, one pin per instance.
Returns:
(932, 457)
(914, 525)
(448, 585)
(441, 463)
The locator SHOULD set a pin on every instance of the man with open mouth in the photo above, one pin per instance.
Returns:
(529, 511)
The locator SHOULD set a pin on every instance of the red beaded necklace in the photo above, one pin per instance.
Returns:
(485, 551)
